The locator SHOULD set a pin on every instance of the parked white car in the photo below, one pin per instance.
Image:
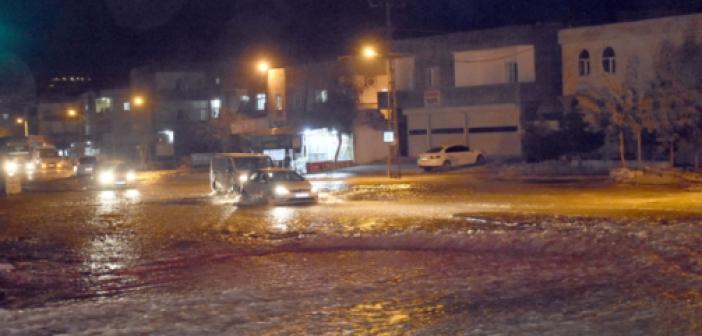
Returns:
(446, 157)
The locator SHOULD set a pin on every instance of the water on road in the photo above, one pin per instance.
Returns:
(437, 257)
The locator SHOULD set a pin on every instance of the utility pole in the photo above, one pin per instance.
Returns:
(393, 118)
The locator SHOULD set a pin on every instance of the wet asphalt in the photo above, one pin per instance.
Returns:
(439, 254)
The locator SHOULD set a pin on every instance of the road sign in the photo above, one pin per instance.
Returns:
(389, 137)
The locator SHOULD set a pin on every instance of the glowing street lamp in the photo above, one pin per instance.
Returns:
(21, 121)
(138, 101)
(263, 67)
(369, 52)
(72, 113)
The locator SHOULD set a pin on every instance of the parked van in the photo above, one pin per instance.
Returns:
(230, 171)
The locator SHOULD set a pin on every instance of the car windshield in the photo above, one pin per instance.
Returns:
(253, 163)
(87, 160)
(435, 150)
(286, 176)
(48, 153)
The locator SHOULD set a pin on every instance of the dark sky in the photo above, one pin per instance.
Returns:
(105, 38)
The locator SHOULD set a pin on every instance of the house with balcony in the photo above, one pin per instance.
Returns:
(477, 88)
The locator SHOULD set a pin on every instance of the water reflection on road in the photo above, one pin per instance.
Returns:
(403, 258)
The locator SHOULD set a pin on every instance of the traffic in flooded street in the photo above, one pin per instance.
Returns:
(429, 254)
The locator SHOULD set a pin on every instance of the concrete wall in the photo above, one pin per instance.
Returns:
(491, 128)
(489, 66)
(368, 144)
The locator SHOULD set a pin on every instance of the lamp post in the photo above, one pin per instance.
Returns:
(21, 121)
(139, 102)
(370, 52)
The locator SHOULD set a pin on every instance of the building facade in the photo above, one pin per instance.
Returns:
(478, 88)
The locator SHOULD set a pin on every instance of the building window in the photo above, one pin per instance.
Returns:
(431, 78)
(216, 105)
(279, 103)
(261, 101)
(127, 107)
(609, 60)
(103, 104)
(584, 63)
(321, 96)
(512, 72)
(245, 99)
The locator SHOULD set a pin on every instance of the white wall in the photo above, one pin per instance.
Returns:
(497, 143)
(404, 74)
(368, 145)
(489, 66)
(636, 45)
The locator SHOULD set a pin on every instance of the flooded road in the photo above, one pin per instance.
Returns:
(432, 256)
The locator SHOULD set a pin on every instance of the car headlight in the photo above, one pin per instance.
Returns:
(30, 166)
(106, 177)
(131, 176)
(10, 167)
(281, 191)
(243, 178)
(43, 165)
(314, 190)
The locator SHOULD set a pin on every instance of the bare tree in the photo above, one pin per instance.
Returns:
(617, 109)
(677, 93)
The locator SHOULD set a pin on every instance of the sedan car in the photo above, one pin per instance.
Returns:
(279, 186)
(446, 157)
(115, 175)
(85, 166)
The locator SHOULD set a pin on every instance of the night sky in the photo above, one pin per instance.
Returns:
(105, 38)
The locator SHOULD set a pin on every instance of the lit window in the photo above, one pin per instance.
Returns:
(609, 60)
(279, 103)
(261, 101)
(245, 99)
(321, 96)
(216, 105)
(5, 116)
(512, 72)
(126, 106)
(103, 104)
(584, 63)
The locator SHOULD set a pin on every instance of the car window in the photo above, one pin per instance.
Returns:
(435, 150)
(462, 149)
(286, 176)
(87, 160)
(452, 149)
(253, 163)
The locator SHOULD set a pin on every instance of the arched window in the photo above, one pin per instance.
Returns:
(584, 63)
(609, 60)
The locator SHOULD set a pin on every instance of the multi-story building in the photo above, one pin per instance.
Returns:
(622, 55)
(477, 88)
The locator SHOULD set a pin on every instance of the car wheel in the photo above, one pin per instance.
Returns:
(446, 165)
(480, 160)
(427, 169)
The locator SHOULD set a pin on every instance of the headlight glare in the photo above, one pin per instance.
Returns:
(281, 191)
(243, 178)
(106, 177)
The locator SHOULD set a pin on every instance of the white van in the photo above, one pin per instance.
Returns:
(230, 171)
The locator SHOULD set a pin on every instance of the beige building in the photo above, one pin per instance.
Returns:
(613, 54)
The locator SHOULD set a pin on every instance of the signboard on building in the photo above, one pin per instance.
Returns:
(432, 97)
(389, 137)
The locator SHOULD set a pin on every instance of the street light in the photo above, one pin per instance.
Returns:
(138, 101)
(370, 53)
(21, 121)
(72, 113)
(263, 67)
